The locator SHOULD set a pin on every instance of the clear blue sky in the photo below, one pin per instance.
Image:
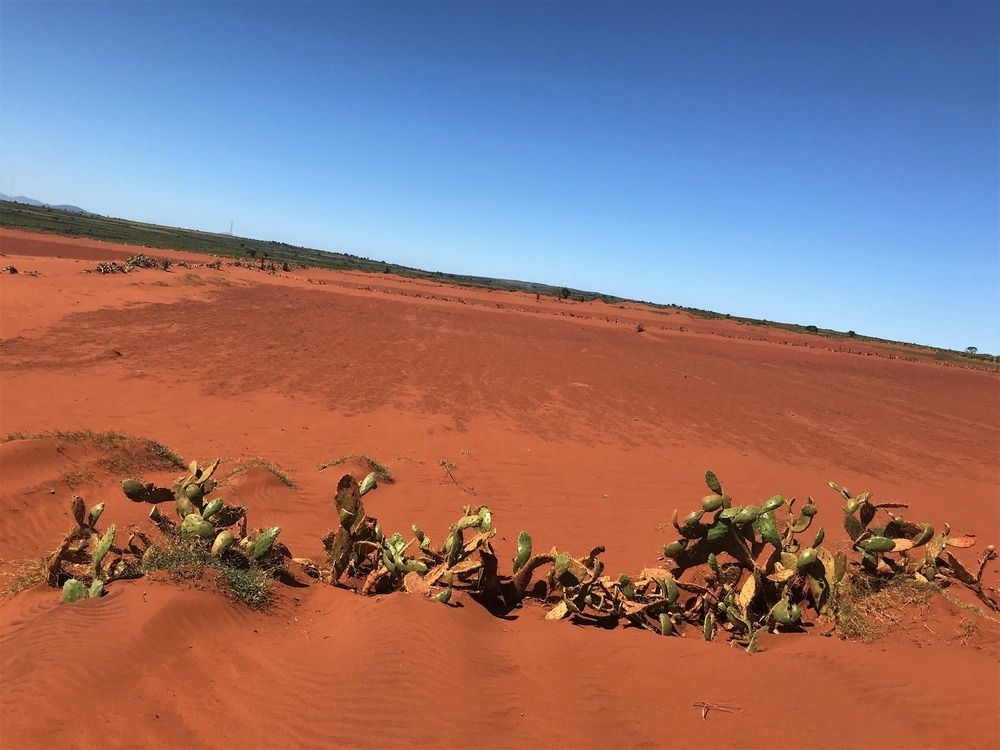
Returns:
(826, 163)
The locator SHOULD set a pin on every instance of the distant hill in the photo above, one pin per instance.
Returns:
(34, 202)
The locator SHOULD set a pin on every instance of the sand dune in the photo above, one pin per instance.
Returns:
(560, 416)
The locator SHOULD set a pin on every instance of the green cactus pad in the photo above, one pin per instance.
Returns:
(786, 614)
(96, 589)
(773, 504)
(711, 503)
(713, 483)
(194, 492)
(693, 518)
(877, 544)
(626, 586)
(185, 507)
(806, 557)
(73, 590)
(368, 484)
(926, 534)
(134, 490)
(222, 542)
(666, 624)
(523, 550)
(670, 590)
(197, 526)
(767, 527)
(853, 526)
(95, 513)
(103, 546)
(746, 515)
(717, 531)
(675, 549)
(265, 541)
(212, 508)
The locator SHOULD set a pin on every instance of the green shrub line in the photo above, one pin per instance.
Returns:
(734, 571)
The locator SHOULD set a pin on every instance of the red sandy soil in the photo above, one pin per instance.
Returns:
(560, 416)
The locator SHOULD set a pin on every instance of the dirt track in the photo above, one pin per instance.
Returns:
(560, 416)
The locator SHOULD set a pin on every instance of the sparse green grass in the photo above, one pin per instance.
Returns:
(189, 558)
(259, 463)
(380, 469)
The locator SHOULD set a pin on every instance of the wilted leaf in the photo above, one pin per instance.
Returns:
(781, 574)
(961, 572)
(558, 612)
(414, 583)
(747, 594)
(961, 542)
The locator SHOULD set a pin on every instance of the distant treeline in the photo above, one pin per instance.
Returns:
(123, 231)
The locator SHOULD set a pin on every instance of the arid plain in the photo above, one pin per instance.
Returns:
(560, 416)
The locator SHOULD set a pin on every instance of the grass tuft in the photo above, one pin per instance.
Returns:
(380, 469)
(189, 558)
(104, 440)
(27, 574)
(869, 608)
(259, 463)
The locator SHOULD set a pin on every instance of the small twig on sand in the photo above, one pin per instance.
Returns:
(725, 708)
(451, 476)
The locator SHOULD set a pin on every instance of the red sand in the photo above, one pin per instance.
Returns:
(559, 416)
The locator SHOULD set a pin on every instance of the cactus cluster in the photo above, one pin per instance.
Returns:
(210, 521)
(86, 559)
(897, 546)
(736, 570)
(363, 558)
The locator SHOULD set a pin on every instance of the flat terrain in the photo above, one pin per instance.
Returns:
(561, 416)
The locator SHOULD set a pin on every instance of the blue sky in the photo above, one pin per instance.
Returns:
(834, 164)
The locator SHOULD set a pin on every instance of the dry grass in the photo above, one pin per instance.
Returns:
(869, 608)
(380, 469)
(109, 442)
(22, 575)
(259, 463)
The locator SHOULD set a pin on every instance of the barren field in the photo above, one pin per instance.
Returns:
(562, 417)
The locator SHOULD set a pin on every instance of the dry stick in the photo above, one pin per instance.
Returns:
(452, 477)
(706, 707)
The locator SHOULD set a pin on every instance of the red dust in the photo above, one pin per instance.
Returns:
(559, 415)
